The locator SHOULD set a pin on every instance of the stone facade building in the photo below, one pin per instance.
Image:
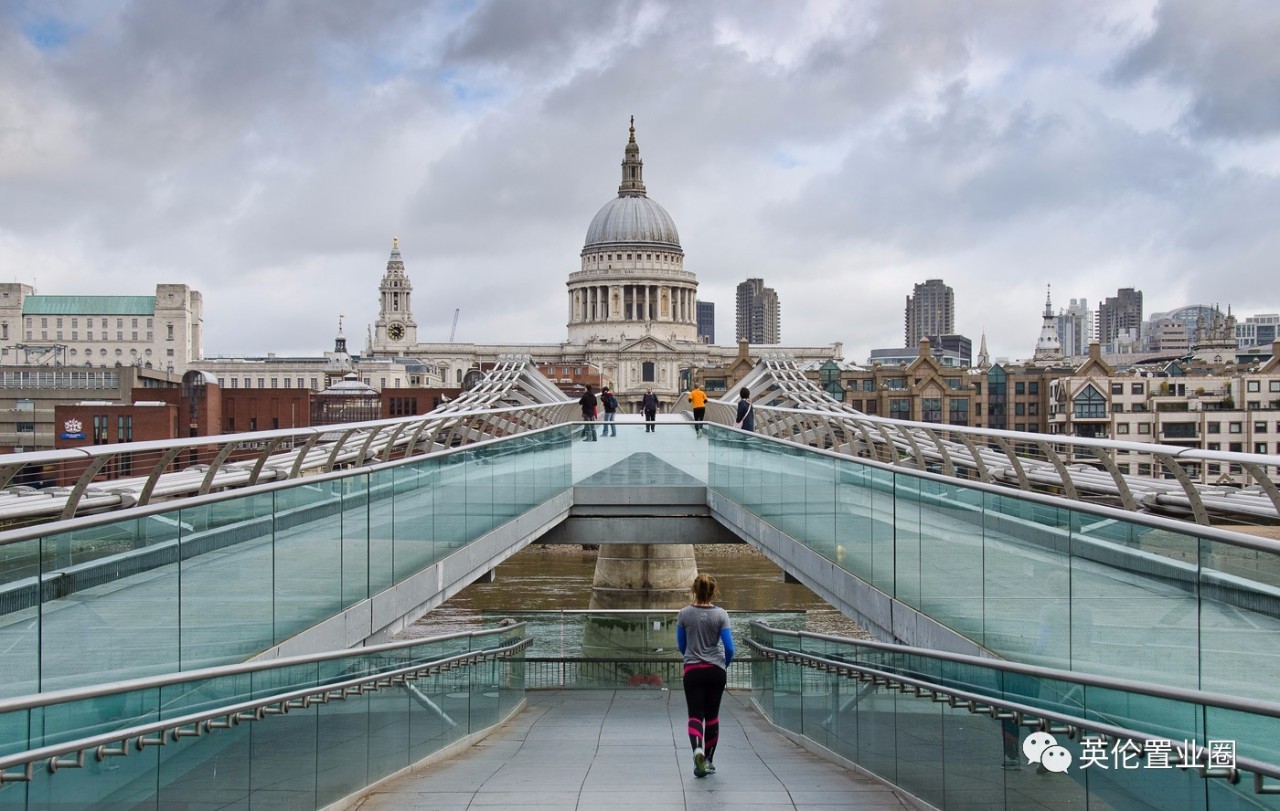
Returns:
(164, 331)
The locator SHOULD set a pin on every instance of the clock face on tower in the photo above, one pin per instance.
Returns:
(395, 332)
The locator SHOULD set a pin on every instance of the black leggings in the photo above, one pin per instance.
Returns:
(703, 689)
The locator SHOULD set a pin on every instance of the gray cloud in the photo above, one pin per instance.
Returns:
(1224, 55)
(267, 153)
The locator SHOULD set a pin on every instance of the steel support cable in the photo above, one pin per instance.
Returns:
(1023, 714)
(160, 733)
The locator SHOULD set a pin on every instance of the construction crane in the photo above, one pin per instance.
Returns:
(454, 332)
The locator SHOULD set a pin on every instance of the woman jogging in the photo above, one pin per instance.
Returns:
(702, 633)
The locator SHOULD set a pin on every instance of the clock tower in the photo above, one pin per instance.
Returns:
(395, 329)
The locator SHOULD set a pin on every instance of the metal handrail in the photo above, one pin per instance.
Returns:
(1023, 714)
(153, 508)
(1218, 534)
(804, 413)
(160, 733)
(1219, 700)
(52, 697)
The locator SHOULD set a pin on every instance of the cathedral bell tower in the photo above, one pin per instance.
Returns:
(395, 329)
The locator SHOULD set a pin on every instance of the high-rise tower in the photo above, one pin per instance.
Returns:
(1120, 320)
(931, 310)
(759, 320)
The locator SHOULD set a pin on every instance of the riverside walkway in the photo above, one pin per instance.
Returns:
(592, 749)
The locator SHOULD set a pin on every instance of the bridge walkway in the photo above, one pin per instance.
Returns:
(591, 749)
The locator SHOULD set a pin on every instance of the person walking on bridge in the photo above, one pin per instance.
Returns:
(704, 639)
(698, 399)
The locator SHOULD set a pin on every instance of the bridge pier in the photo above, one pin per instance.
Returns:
(638, 575)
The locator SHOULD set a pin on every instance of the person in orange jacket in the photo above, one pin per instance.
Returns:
(698, 399)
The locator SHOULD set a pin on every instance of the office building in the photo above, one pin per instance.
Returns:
(707, 322)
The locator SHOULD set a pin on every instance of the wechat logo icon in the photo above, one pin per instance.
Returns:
(1043, 748)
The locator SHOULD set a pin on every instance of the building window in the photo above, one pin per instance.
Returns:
(99, 429)
(1259, 427)
(1214, 446)
(1215, 428)
(1136, 388)
(1019, 388)
(646, 372)
(288, 383)
(1033, 387)
(1259, 447)
(900, 408)
(124, 428)
(1254, 385)
(1273, 385)
(868, 385)
(1090, 404)
(958, 411)
(1020, 409)
(262, 382)
(235, 382)
(1236, 427)
(1235, 447)
(1117, 388)
(1180, 430)
(1144, 428)
(275, 382)
(1122, 428)
(931, 409)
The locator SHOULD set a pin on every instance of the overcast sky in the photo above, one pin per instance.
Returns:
(265, 152)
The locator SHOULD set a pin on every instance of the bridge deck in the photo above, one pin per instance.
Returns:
(594, 749)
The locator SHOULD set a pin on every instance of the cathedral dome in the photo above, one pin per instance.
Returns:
(632, 219)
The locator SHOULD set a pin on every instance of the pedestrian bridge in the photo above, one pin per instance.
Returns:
(167, 636)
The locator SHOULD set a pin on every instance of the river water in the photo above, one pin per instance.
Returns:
(552, 578)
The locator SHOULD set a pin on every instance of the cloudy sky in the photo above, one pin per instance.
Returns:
(265, 152)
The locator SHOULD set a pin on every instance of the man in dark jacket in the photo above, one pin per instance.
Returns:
(588, 403)
(649, 405)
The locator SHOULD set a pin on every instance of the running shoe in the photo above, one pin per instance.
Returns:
(711, 767)
(699, 763)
